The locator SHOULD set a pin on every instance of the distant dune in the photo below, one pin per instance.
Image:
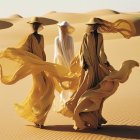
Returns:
(70, 17)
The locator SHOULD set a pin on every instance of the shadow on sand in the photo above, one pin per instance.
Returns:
(121, 131)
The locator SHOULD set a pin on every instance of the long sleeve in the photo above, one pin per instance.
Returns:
(102, 52)
(83, 62)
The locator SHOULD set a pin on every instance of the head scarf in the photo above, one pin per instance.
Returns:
(124, 27)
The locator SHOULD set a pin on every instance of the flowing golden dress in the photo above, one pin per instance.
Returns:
(28, 58)
(36, 106)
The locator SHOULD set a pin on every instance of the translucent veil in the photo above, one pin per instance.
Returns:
(124, 27)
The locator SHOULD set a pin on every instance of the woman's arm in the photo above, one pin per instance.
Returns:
(84, 63)
(104, 58)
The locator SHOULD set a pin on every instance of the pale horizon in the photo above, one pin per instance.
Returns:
(40, 7)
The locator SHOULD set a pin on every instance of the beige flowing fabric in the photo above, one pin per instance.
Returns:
(83, 106)
(124, 27)
(95, 58)
(87, 111)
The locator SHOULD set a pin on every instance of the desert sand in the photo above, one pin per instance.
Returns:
(121, 110)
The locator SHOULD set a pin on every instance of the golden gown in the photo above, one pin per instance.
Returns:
(28, 58)
(36, 106)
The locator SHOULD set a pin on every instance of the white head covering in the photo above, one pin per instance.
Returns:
(70, 28)
(65, 44)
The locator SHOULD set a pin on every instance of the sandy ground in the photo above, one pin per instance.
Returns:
(121, 110)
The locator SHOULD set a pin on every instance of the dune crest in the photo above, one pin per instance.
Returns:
(103, 12)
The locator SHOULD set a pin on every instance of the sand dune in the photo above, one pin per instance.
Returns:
(70, 17)
(79, 17)
(121, 110)
(103, 12)
(13, 18)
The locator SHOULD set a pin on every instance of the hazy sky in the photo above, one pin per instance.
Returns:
(40, 7)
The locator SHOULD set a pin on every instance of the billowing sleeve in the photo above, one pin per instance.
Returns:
(55, 49)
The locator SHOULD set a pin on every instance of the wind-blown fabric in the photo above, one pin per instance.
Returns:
(83, 105)
(17, 63)
(26, 63)
(27, 58)
(87, 112)
(124, 27)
